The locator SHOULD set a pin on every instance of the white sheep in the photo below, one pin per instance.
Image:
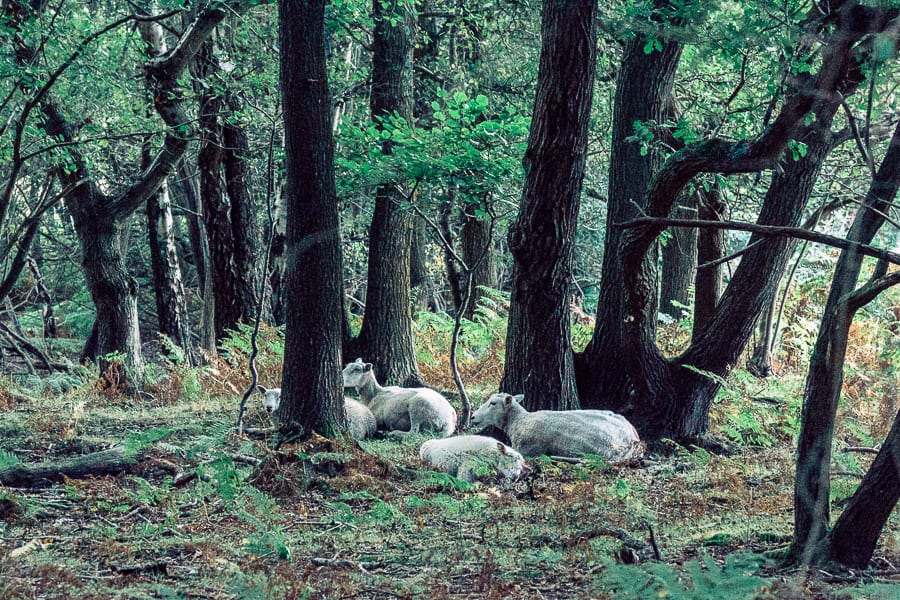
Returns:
(473, 457)
(399, 410)
(360, 421)
(560, 433)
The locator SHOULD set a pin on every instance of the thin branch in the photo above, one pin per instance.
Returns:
(768, 231)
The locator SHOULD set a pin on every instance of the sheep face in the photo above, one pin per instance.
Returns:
(271, 398)
(357, 373)
(493, 411)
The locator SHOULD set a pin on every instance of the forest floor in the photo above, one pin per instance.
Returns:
(203, 513)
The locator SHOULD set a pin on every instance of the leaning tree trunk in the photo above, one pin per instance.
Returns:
(385, 338)
(312, 392)
(853, 539)
(538, 345)
(679, 258)
(824, 381)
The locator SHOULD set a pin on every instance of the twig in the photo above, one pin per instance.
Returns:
(862, 449)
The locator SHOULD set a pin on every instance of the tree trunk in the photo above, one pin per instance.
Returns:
(171, 304)
(853, 539)
(679, 258)
(538, 345)
(200, 252)
(112, 289)
(225, 202)
(642, 90)
(312, 393)
(825, 378)
(277, 259)
(385, 338)
(423, 289)
(710, 247)
(475, 239)
(671, 398)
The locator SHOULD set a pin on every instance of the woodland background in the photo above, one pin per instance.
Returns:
(660, 208)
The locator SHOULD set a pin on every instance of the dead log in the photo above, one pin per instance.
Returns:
(106, 462)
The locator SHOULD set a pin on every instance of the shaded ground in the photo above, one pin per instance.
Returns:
(328, 521)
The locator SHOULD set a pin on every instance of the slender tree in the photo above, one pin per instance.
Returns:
(812, 491)
(312, 394)
(385, 338)
(538, 345)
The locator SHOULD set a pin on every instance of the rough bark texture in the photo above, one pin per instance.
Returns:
(538, 346)
(643, 86)
(226, 201)
(385, 338)
(312, 392)
(106, 462)
(853, 539)
(200, 253)
(476, 241)
(625, 369)
(812, 487)
(679, 258)
(710, 247)
(171, 303)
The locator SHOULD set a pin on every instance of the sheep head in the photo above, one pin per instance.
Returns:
(493, 411)
(356, 374)
(271, 398)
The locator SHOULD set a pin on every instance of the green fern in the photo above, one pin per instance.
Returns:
(700, 580)
(8, 459)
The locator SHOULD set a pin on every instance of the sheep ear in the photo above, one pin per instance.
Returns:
(501, 448)
(508, 400)
(261, 389)
(368, 366)
(359, 360)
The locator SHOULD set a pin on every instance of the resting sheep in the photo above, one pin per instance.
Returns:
(560, 433)
(360, 420)
(399, 410)
(472, 458)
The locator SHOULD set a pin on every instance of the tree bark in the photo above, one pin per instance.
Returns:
(679, 259)
(812, 488)
(538, 345)
(106, 462)
(643, 87)
(385, 338)
(671, 398)
(171, 303)
(475, 239)
(312, 391)
(853, 539)
(710, 248)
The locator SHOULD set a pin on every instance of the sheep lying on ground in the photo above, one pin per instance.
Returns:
(560, 433)
(360, 420)
(473, 458)
(399, 410)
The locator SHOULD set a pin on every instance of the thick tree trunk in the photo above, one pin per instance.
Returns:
(476, 241)
(171, 304)
(385, 338)
(112, 289)
(539, 358)
(665, 398)
(812, 488)
(312, 394)
(679, 258)
(642, 91)
(853, 539)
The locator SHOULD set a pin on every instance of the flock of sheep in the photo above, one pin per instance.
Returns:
(401, 411)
